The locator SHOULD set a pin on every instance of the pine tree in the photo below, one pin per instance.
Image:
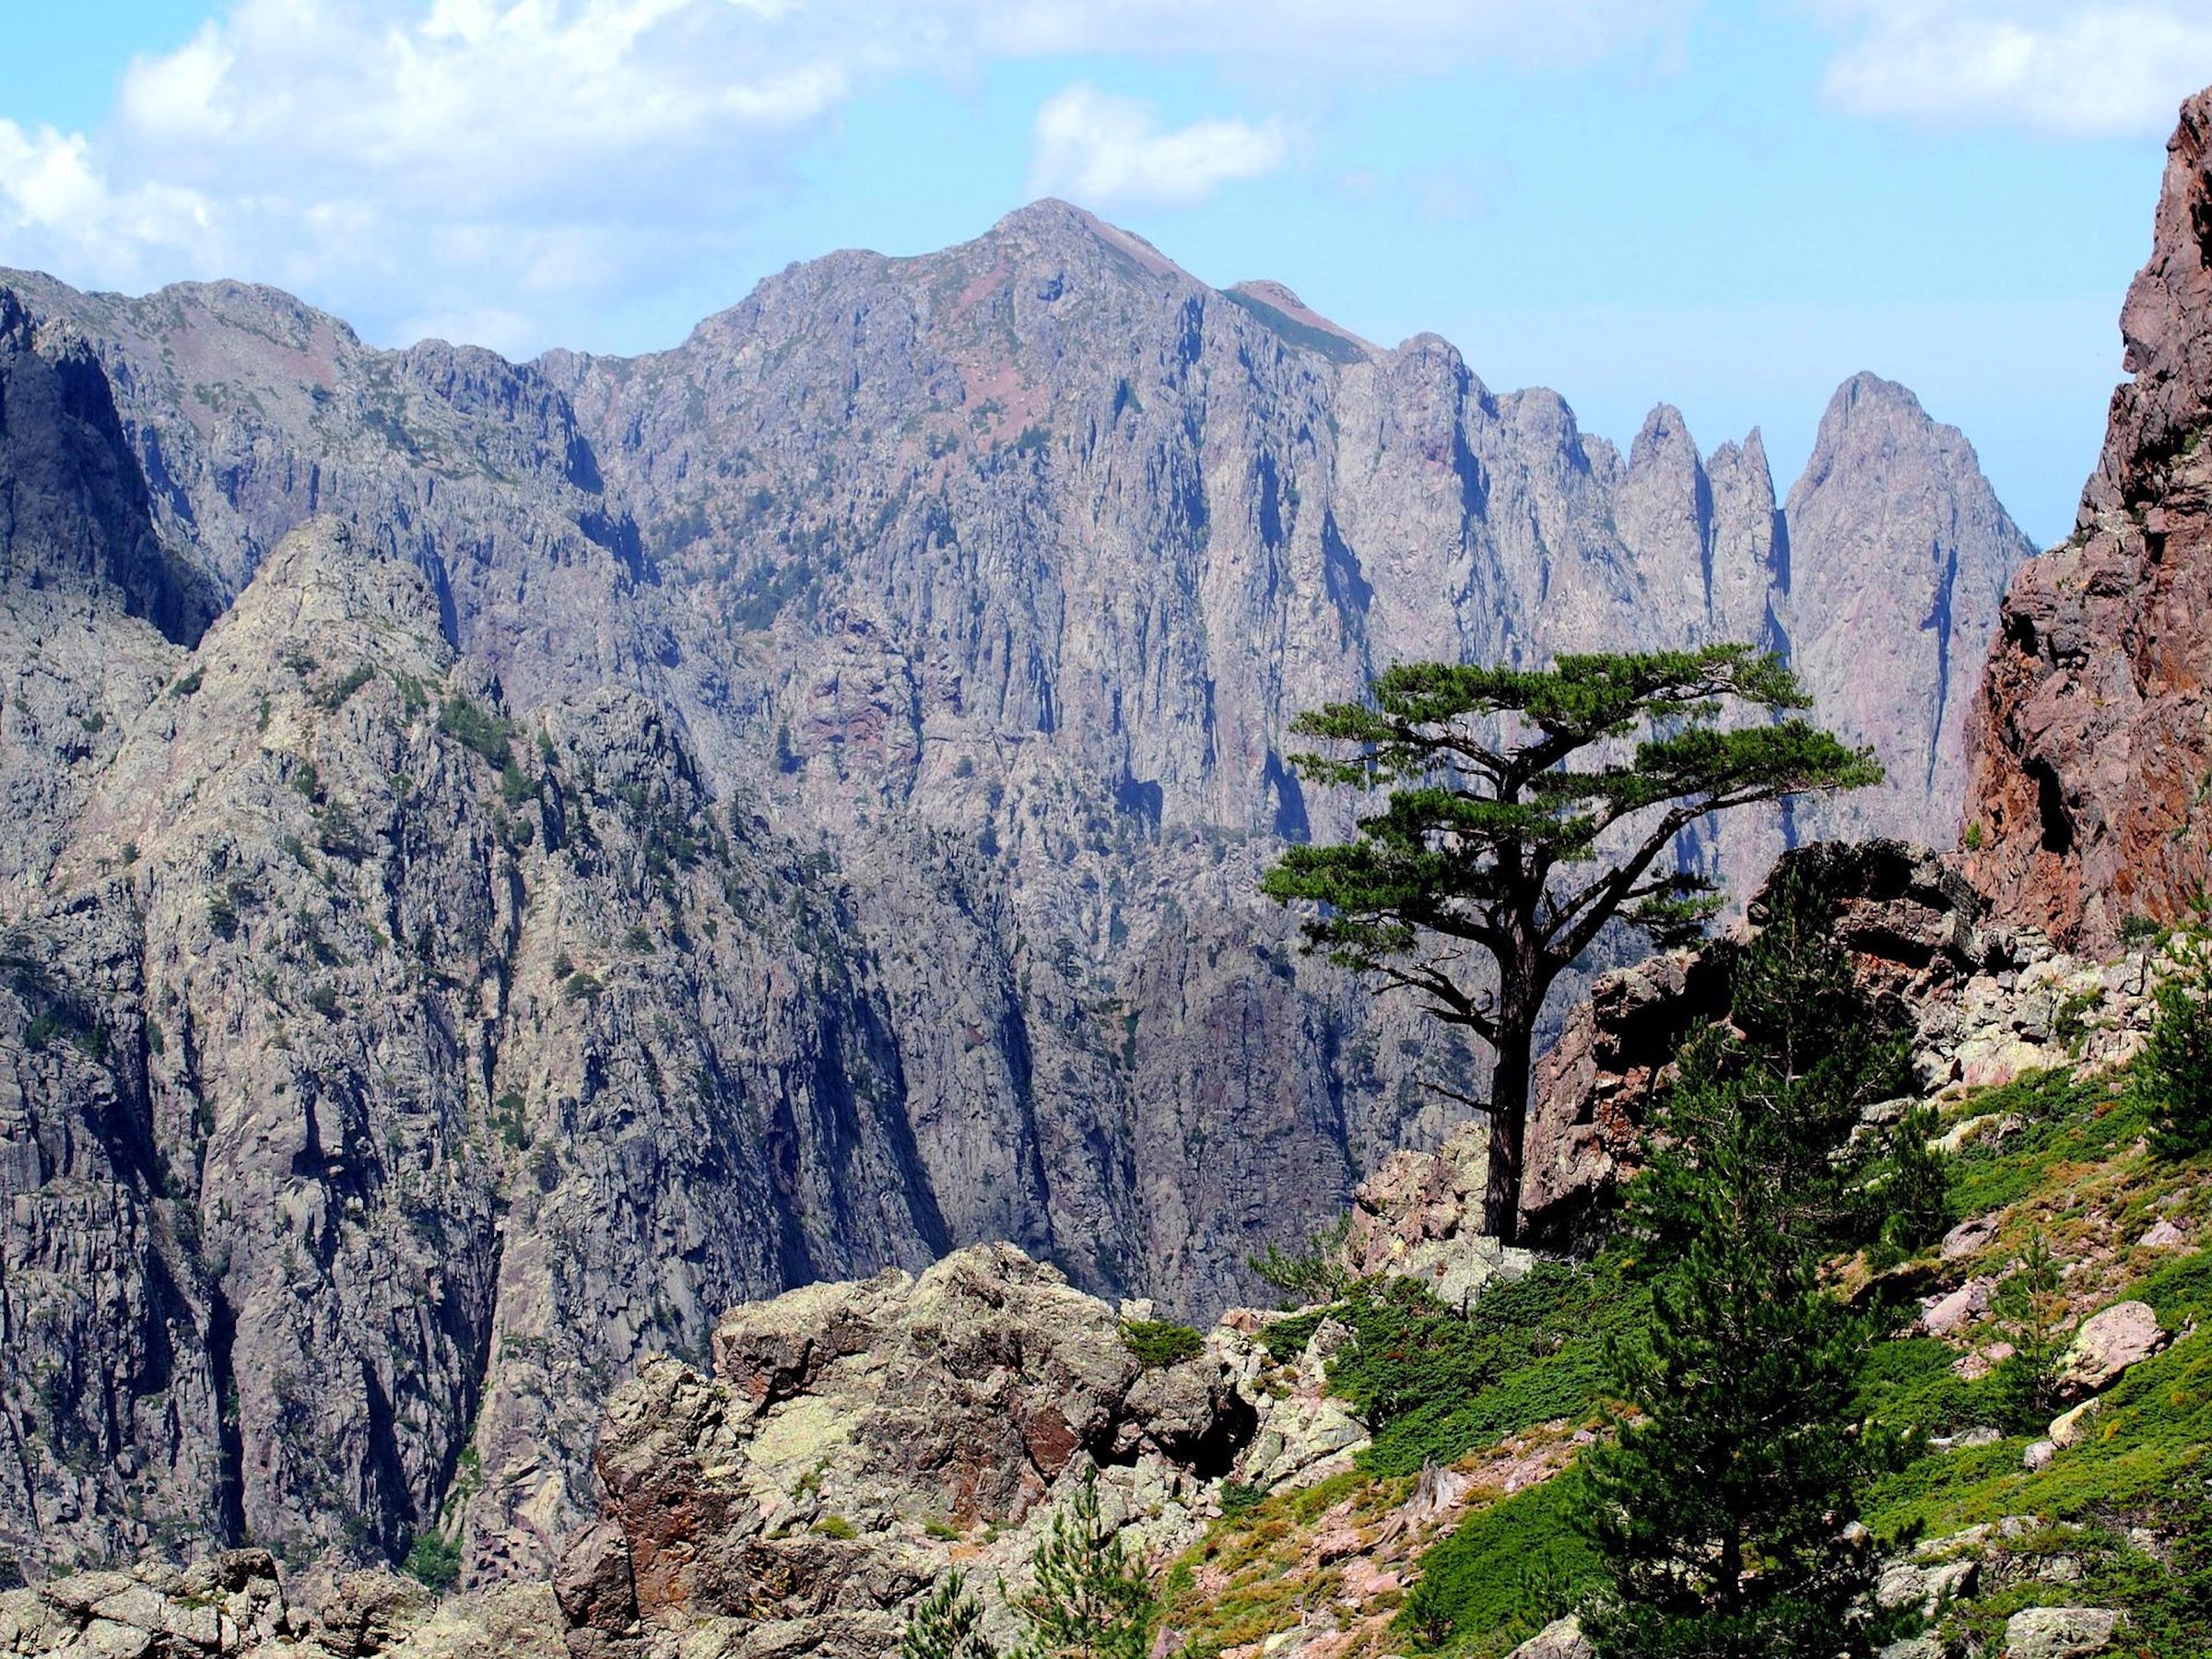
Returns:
(1722, 1505)
(2028, 1307)
(1497, 851)
(2174, 1074)
(1914, 1198)
(947, 1623)
(1091, 1599)
(1802, 1055)
(1721, 1513)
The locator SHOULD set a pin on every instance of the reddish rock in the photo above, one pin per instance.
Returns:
(1947, 1315)
(2124, 1334)
(2091, 739)
(1913, 927)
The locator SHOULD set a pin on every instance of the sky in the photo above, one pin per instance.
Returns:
(1730, 206)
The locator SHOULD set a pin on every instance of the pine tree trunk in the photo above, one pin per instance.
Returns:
(1509, 1129)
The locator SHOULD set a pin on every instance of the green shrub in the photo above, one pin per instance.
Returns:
(477, 728)
(1433, 1383)
(835, 1526)
(1237, 1497)
(2062, 1119)
(2173, 1077)
(1508, 1572)
(1316, 1273)
(1285, 1339)
(2140, 929)
(334, 696)
(1915, 1189)
(435, 1561)
(1157, 1343)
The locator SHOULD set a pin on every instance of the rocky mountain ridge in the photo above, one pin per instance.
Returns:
(516, 859)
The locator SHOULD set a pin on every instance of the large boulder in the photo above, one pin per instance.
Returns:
(1562, 1639)
(2123, 1334)
(855, 1436)
(1419, 1217)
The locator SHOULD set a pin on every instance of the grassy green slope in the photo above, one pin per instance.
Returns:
(2123, 1520)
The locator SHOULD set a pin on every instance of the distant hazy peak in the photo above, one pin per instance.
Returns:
(1050, 223)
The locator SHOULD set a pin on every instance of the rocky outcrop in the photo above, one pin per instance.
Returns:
(234, 1603)
(2060, 1632)
(2088, 796)
(857, 1439)
(1416, 1217)
(642, 835)
(1912, 927)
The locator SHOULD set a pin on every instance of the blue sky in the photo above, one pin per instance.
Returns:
(1730, 207)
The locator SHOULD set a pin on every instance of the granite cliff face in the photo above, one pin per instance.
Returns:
(2091, 746)
(508, 861)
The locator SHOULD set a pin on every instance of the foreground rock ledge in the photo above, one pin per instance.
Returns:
(857, 1438)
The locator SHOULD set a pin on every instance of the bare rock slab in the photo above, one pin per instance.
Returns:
(2059, 1632)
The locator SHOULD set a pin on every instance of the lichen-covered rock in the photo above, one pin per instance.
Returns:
(2059, 1632)
(1926, 1586)
(855, 1434)
(2071, 1427)
(234, 1604)
(1419, 1216)
(2109, 1343)
(1562, 1639)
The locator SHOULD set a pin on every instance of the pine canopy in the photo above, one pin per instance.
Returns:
(1504, 842)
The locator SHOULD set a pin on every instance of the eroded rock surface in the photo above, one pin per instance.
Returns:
(857, 1439)
(2086, 805)
(235, 1604)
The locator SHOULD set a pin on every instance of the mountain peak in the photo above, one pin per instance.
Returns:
(1049, 222)
(1867, 393)
(1283, 311)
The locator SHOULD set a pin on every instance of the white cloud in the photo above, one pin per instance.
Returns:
(1109, 152)
(1417, 37)
(2070, 68)
(54, 196)
(482, 161)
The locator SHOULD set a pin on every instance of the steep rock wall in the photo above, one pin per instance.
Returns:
(2093, 735)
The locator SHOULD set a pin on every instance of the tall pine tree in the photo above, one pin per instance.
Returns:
(1721, 1507)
